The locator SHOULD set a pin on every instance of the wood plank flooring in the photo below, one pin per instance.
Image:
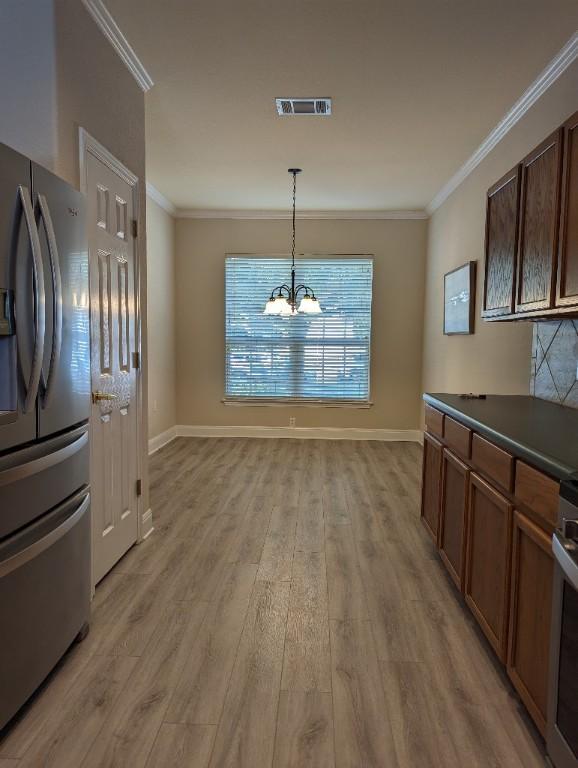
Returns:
(288, 611)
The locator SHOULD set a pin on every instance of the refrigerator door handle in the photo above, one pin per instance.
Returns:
(39, 298)
(33, 550)
(48, 384)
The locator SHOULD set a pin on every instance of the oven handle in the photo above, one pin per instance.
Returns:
(565, 551)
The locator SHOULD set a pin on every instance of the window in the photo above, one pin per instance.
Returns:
(308, 357)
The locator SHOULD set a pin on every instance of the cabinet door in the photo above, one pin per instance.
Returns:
(539, 223)
(530, 609)
(431, 484)
(487, 587)
(452, 540)
(502, 208)
(567, 290)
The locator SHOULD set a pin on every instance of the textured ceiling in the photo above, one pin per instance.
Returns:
(416, 87)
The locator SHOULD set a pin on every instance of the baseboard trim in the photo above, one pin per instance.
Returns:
(308, 433)
(147, 524)
(305, 433)
(159, 441)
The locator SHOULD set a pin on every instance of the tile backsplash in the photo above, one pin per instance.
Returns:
(555, 361)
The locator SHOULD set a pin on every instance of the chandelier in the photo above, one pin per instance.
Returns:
(284, 299)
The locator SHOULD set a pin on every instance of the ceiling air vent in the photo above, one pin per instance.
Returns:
(294, 106)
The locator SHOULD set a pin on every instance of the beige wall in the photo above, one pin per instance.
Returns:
(95, 91)
(28, 80)
(399, 251)
(161, 319)
(497, 357)
(68, 75)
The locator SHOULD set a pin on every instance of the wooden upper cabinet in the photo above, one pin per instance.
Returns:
(431, 484)
(502, 207)
(530, 614)
(539, 225)
(567, 288)
(487, 571)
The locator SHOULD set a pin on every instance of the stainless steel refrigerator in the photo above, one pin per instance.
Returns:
(44, 409)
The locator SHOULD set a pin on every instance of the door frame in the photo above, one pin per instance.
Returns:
(87, 144)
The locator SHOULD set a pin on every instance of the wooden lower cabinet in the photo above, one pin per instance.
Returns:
(454, 501)
(431, 485)
(488, 551)
(497, 548)
(530, 611)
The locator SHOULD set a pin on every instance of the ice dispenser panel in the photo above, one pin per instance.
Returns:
(8, 362)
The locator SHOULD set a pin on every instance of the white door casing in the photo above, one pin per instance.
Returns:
(114, 340)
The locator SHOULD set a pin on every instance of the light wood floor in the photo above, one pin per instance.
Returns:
(288, 610)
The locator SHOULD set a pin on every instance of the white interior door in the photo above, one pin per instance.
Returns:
(114, 448)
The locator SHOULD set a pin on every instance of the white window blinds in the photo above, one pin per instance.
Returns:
(308, 357)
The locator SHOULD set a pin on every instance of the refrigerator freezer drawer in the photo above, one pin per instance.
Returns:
(36, 479)
(44, 598)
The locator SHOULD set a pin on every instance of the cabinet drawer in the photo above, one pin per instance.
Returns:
(493, 462)
(537, 491)
(458, 437)
(434, 421)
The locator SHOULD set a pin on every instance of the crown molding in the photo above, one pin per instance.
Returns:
(111, 31)
(161, 200)
(197, 213)
(559, 64)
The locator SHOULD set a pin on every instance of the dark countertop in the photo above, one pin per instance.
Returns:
(542, 433)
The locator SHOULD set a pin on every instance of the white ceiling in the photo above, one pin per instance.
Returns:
(416, 87)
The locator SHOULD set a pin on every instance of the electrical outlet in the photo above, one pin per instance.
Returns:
(291, 421)
(155, 406)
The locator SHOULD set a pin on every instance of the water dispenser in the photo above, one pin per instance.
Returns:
(8, 364)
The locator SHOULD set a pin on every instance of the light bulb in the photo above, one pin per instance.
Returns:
(309, 305)
(286, 308)
(271, 307)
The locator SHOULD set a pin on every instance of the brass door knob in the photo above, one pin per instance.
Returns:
(98, 397)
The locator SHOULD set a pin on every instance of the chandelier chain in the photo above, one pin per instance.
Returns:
(294, 198)
(284, 298)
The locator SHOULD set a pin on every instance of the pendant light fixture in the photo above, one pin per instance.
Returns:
(284, 299)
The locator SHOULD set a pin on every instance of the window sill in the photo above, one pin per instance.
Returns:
(293, 403)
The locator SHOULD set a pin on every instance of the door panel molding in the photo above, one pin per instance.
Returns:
(88, 143)
(89, 146)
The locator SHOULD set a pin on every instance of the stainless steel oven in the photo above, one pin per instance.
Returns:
(562, 733)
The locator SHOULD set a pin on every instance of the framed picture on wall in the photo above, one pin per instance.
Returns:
(460, 299)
